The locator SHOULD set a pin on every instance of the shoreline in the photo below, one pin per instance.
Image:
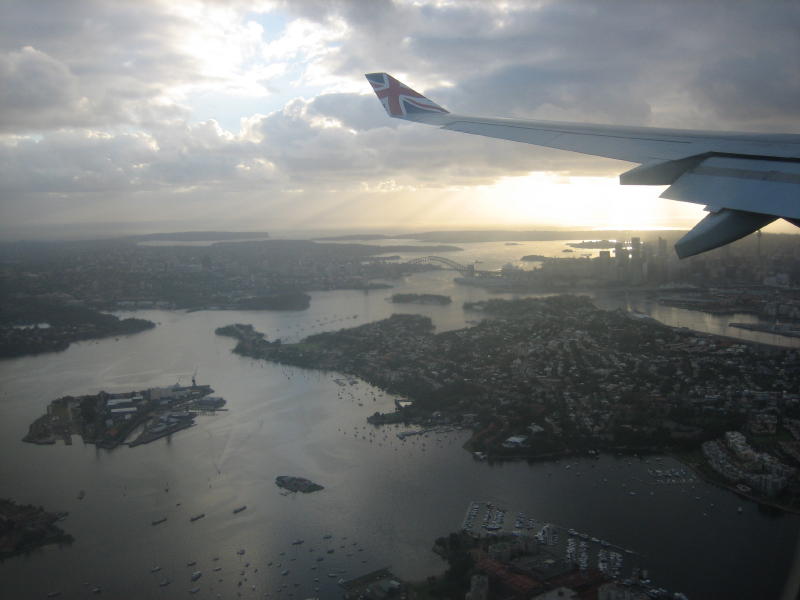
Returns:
(703, 475)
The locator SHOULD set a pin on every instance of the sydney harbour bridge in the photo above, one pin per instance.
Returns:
(467, 270)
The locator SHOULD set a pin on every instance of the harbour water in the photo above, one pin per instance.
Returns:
(389, 497)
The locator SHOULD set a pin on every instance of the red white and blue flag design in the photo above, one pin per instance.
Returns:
(398, 99)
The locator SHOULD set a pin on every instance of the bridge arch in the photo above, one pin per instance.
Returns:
(450, 264)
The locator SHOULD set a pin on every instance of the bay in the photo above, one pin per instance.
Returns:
(391, 498)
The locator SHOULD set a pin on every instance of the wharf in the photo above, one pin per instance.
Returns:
(150, 435)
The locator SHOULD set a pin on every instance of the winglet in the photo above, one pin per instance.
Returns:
(401, 101)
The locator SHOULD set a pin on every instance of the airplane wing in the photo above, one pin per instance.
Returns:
(746, 180)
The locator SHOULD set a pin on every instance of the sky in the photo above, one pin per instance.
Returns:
(255, 115)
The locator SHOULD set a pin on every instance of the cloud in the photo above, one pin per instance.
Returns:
(99, 101)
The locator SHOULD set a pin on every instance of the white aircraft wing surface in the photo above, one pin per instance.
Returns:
(746, 180)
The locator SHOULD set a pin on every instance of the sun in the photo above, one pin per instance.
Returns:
(560, 201)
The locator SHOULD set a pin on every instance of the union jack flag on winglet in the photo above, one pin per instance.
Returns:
(399, 100)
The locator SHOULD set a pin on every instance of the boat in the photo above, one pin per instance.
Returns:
(155, 569)
(81, 495)
(297, 542)
(191, 563)
(197, 575)
(164, 583)
(53, 594)
(240, 552)
(238, 510)
(285, 572)
(96, 590)
(194, 590)
(159, 521)
(197, 517)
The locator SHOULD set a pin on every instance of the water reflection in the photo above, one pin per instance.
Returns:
(390, 497)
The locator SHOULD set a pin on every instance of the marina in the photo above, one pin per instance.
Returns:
(576, 549)
(487, 520)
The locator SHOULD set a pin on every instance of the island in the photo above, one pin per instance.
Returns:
(421, 299)
(297, 484)
(24, 527)
(107, 419)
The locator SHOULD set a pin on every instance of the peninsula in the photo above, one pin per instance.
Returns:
(24, 528)
(34, 325)
(543, 378)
